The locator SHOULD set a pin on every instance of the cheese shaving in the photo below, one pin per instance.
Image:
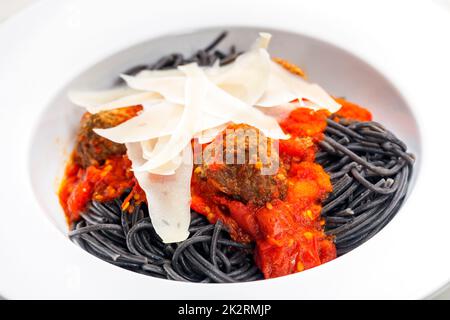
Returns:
(155, 121)
(195, 92)
(285, 87)
(168, 196)
(96, 101)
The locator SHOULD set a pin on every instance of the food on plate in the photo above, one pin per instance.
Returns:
(227, 167)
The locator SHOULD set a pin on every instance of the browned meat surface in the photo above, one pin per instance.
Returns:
(243, 180)
(92, 149)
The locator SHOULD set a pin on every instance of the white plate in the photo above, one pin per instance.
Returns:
(51, 44)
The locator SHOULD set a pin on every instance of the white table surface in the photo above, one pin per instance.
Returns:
(10, 7)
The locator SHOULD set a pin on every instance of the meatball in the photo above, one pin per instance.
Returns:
(243, 180)
(92, 149)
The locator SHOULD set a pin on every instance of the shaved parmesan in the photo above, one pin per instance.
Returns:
(159, 73)
(151, 146)
(247, 78)
(159, 120)
(168, 196)
(170, 87)
(147, 98)
(263, 41)
(284, 87)
(221, 104)
(195, 92)
(91, 99)
(208, 121)
(168, 168)
(155, 121)
(209, 135)
(96, 101)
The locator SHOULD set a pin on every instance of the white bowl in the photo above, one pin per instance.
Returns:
(349, 53)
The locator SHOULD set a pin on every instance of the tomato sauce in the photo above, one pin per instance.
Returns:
(97, 182)
(353, 111)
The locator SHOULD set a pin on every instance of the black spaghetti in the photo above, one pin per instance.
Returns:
(129, 241)
(370, 170)
(203, 57)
